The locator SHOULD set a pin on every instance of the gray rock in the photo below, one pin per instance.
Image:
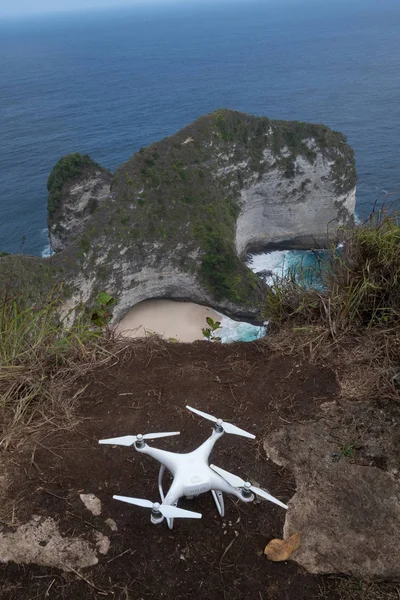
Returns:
(92, 503)
(301, 214)
(348, 514)
(40, 542)
(80, 199)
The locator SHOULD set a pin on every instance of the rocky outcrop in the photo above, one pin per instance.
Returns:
(182, 214)
(77, 186)
(347, 501)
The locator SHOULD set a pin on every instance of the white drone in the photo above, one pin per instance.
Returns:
(192, 475)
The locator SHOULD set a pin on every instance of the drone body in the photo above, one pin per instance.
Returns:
(192, 474)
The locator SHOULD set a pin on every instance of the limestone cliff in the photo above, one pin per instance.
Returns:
(77, 186)
(183, 212)
(298, 212)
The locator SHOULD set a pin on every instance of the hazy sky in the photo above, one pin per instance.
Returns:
(21, 7)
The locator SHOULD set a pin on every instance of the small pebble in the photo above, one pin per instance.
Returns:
(92, 503)
(112, 524)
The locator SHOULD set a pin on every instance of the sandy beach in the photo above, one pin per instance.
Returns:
(182, 321)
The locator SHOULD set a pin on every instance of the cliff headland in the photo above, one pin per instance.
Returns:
(179, 217)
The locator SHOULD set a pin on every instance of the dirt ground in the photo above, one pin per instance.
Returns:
(146, 389)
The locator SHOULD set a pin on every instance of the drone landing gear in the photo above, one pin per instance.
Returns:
(216, 494)
(219, 501)
(161, 472)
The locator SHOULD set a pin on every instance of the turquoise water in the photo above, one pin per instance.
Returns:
(234, 331)
(306, 265)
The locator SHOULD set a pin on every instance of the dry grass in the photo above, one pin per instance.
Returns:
(350, 314)
(355, 287)
(351, 589)
(366, 370)
(43, 372)
(41, 361)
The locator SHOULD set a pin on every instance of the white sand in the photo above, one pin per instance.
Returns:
(182, 321)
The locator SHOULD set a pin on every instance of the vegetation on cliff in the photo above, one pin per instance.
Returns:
(295, 138)
(360, 282)
(69, 168)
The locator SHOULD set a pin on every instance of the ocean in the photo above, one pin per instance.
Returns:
(109, 82)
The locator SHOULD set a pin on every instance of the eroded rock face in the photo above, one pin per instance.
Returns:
(348, 513)
(300, 212)
(79, 200)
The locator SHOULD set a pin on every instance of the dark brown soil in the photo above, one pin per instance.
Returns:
(146, 389)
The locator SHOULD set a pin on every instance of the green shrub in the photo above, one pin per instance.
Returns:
(221, 270)
(101, 313)
(209, 332)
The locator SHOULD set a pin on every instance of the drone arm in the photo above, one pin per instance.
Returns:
(218, 483)
(207, 446)
(162, 456)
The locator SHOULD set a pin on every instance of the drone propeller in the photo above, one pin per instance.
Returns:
(168, 511)
(237, 482)
(227, 427)
(129, 440)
